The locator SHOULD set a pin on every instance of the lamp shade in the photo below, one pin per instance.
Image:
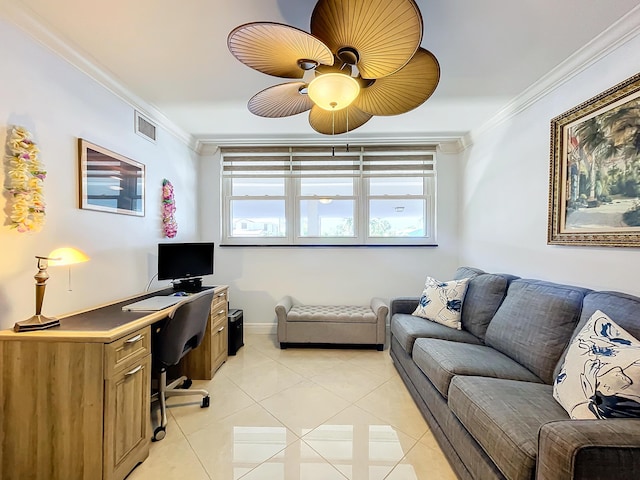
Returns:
(333, 91)
(66, 256)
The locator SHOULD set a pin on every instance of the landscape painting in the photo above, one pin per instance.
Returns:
(110, 182)
(595, 170)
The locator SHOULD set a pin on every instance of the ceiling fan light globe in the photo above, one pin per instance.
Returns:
(333, 91)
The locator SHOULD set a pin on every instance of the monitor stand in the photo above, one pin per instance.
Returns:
(191, 285)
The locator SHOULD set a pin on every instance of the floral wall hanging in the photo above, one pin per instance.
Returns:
(169, 224)
(26, 179)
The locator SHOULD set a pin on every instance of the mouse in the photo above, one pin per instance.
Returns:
(180, 294)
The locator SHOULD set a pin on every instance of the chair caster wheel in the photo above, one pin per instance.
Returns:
(159, 433)
(205, 402)
(186, 384)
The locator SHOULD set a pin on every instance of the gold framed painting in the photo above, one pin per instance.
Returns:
(110, 182)
(594, 181)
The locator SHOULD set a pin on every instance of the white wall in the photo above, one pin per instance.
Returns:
(58, 104)
(259, 276)
(503, 220)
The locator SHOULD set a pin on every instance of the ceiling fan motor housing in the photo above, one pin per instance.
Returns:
(348, 55)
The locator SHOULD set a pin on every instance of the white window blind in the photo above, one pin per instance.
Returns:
(319, 161)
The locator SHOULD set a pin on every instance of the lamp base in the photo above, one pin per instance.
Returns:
(37, 322)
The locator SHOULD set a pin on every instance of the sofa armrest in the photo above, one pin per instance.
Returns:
(283, 307)
(380, 308)
(589, 449)
(404, 305)
(282, 310)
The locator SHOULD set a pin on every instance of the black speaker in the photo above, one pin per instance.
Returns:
(235, 330)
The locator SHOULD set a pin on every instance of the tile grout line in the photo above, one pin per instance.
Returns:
(378, 370)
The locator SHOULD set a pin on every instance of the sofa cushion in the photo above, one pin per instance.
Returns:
(601, 373)
(485, 293)
(441, 360)
(467, 272)
(331, 313)
(406, 328)
(504, 417)
(621, 307)
(441, 302)
(454, 440)
(535, 322)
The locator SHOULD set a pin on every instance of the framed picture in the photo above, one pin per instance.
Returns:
(110, 182)
(594, 181)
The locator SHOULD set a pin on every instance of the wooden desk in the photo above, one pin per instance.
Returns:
(75, 399)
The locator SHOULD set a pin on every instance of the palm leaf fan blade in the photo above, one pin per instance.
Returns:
(275, 49)
(385, 33)
(337, 122)
(403, 91)
(282, 100)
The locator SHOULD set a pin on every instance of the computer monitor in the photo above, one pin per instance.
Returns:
(185, 263)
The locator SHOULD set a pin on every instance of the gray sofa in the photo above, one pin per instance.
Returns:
(486, 391)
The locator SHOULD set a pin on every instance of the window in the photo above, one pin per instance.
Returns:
(364, 195)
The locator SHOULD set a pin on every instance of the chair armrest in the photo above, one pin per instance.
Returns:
(404, 305)
(283, 307)
(380, 308)
(589, 449)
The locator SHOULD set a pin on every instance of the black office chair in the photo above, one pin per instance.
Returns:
(181, 332)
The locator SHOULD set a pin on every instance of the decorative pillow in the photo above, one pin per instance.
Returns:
(441, 302)
(600, 377)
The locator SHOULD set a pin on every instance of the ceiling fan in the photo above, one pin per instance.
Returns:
(362, 58)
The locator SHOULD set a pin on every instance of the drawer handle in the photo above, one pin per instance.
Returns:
(220, 329)
(134, 371)
(220, 312)
(134, 339)
(221, 294)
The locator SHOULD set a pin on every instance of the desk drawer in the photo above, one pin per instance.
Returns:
(218, 313)
(219, 302)
(219, 340)
(120, 353)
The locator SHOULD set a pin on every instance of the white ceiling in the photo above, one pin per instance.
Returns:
(172, 55)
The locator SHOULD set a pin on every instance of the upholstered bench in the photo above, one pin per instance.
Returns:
(332, 324)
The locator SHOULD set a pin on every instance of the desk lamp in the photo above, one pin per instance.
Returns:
(58, 257)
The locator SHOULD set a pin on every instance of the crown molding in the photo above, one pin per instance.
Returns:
(447, 143)
(27, 22)
(625, 29)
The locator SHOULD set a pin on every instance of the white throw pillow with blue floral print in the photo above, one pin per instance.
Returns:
(600, 377)
(441, 302)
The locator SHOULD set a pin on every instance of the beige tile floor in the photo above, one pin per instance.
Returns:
(298, 414)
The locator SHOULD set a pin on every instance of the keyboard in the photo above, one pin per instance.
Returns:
(153, 304)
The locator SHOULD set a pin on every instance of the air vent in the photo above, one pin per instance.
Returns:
(145, 128)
